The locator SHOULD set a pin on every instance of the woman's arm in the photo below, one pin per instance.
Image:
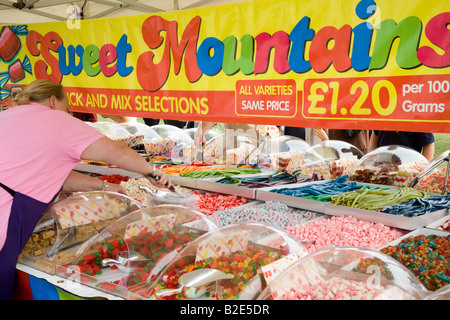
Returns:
(116, 153)
(77, 181)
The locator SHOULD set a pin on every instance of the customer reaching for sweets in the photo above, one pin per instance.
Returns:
(44, 143)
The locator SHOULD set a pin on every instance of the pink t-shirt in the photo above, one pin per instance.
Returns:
(38, 149)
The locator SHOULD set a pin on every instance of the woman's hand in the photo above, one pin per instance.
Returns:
(114, 187)
(159, 179)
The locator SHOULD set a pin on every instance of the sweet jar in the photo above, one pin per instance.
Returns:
(240, 252)
(69, 222)
(129, 254)
(389, 165)
(345, 273)
(329, 159)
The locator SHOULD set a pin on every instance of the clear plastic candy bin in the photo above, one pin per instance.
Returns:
(440, 294)
(140, 129)
(119, 133)
(166, 131)
(68, 223)
(101, 126)
(130, 253)
(184, 149)
(329, 159)
(282, 149)
(345, 273)
(237, 253)
(389, 165)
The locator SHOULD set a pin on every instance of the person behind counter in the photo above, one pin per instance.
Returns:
(422, 142)
(358, 138)
(44, 143)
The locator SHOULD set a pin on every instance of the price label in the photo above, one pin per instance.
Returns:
(412, 98)
(266, 98)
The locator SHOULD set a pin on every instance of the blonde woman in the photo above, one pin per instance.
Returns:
(41, 145)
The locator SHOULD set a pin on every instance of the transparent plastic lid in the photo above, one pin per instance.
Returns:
(184, 149)
(102, 126)
(210, 134)
(389, 165)
(134, 249)
(440, 294)
(71, 221)
(230, 148)
(237, 254)
(166, 131)
(115, 131)
(321, 159)
(140, 129)
(340, 273)
(285, 143)
(278, 151)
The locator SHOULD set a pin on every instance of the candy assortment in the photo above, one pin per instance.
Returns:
(209, 203)
(337, 288)
(320, 191)
(427, 257)
(344, 231)
(272, 213)
(170, 246)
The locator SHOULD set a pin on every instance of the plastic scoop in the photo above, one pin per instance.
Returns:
(194, 284)
(126, 261)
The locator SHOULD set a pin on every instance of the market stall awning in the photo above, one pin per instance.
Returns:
(20, 11)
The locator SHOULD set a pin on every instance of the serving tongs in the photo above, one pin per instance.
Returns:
(260, 145)
(445, 156)
(70, 234)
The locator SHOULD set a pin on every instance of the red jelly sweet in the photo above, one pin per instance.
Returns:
(9, 44)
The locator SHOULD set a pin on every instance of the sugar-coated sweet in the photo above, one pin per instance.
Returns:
(344, 231)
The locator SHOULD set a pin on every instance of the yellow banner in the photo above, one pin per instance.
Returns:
(331, 63)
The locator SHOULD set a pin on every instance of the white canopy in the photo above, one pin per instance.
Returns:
(36, 11)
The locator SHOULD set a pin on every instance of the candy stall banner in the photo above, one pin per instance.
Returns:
(332, 63)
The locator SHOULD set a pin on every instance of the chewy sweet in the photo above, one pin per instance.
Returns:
(427, 257)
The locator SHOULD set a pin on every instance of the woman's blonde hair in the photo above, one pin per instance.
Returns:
(38, 91)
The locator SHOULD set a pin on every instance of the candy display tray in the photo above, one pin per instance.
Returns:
(211, 184)
(265, 194)
(434, 225)
(418, 232)
(392, 220)
(401, 222)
